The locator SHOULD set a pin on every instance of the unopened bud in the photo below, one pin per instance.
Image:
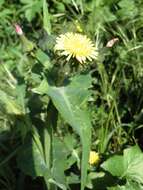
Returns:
(18, 29)
(111, 42)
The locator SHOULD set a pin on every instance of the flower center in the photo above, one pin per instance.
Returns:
(76, 46)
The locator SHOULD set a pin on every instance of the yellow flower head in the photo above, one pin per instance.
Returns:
(93, 157)
(76, 45)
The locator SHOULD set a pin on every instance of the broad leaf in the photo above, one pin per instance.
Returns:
(70, 102)
(128, 186)
(114, 165)
(133, 164)
(129, 166)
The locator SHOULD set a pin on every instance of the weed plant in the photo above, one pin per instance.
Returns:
(64, 124)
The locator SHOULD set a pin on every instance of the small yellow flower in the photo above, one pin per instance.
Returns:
(93, 157)
(76, 45)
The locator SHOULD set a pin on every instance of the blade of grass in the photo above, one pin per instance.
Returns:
(46, 18)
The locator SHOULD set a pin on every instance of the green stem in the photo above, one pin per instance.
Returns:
(10, 76)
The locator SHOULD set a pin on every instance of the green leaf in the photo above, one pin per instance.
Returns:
(21, 93)
(69, 101)
(15, 104)
(46, 18)
(114, 165)
(133, 164)
(73, 179)
(10, 104)
(127, 9)
(45, 138)
(101, 15)
(31, 159)
(129, 166)
(93, 176)
(27, 45)
(1, 2)
(42, 88)
(128, 186)
(43, 58)
(31, 8)
(59, 166)
(70, 141)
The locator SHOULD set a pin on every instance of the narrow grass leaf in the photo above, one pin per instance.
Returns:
(46, 18)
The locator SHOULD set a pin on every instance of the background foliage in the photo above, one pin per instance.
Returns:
(46, 120)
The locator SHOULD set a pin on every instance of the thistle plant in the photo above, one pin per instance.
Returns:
(71, 95)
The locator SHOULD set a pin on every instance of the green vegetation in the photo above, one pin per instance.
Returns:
(54, 111)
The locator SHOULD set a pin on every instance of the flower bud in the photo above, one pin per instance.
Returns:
(18, 29)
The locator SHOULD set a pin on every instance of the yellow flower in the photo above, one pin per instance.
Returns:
(76, 45)
(93, 157)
